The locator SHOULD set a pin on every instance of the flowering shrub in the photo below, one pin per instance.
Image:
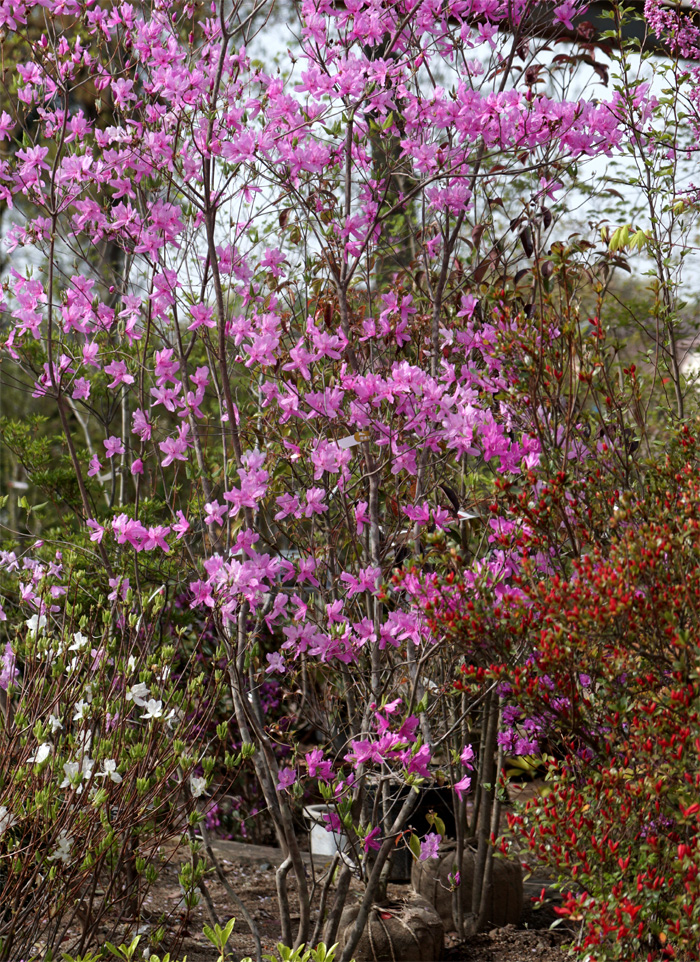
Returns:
(598, 668)
(268, 324)
(97, 768)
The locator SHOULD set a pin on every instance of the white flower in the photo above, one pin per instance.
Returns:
(62, 853)
(79, 641)
(197, 786)
(173, 718)
(70, 770)
(55, 723)
(6, 819)
(42, 753)
(131, 664)
(88, 765)
(109, 771)
(138, 694)
(36, 624)
(80, 710)
(163, 674)
(154, 709)
(84, 740)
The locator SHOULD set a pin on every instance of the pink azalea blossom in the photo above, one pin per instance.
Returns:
(462, 786)
(372, 840)
(181, 526)
(287, 777)
(430, 847)
(113, 445)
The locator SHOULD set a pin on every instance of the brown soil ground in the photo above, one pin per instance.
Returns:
(250, 871)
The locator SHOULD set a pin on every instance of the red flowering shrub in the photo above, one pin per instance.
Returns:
(599, 667)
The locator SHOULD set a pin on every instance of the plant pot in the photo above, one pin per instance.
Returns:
(505, 900)
(401, 930)
(323, 842)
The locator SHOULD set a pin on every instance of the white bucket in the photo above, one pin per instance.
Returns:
(323, 842)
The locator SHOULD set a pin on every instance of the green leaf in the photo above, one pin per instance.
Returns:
(414, 845)
(228, 929)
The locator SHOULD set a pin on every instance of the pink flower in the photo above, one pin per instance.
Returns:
(128, 530)
(418, 764)
(407, 732)
(81, 389)
(117, 370)
(462, 786)
(314, 502)
(9, 672)
(361, 516)
(119, 586)
(275, 663)
(95, 466)
(287, 777)
(202, 315)
(318, 766)
(182, 526)
(97, 530)
(137, 467)
(155, 538)
(90, 352)
(429, 847)
(333, 823)
(176, 448)
(467, 756)
(367, 581)
(288, 503)
(215, 512)
(313, 760)
(334, 612)
(371, 840)
(113, 445)
(565, 13)
(202, 594)
(142, 426)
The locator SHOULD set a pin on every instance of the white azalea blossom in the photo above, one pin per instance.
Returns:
(72, 769)
(81, 708)
(154, 709)
(62, 851)
(138, 694)
(109, 770)
(79, 641)
(197, 786)
(55, 723)
(36, 624)
(42, 753)
(131, 664)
